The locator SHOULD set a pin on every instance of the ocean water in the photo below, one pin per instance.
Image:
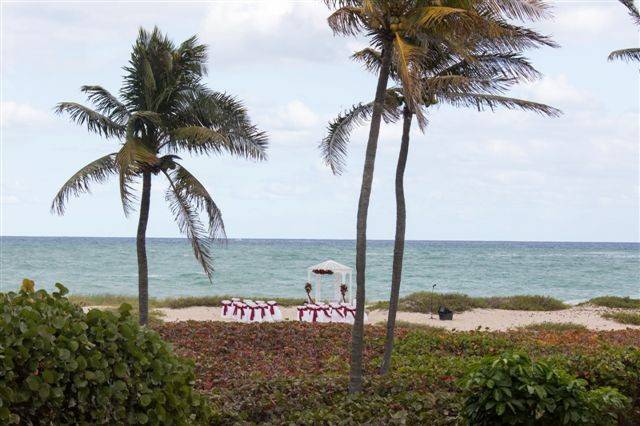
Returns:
(568, 271)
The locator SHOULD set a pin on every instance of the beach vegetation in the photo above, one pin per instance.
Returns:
(511, 389)
(426, 302)
(61, 365)
(554, 326)
(615, 302)
(171, 302)
(163, 109)
(630, 318)
(294, 373)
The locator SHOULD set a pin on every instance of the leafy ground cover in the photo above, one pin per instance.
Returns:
(296, 373)
(424, 301)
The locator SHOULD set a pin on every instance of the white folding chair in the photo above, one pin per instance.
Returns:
(274, 310)
(226, 311)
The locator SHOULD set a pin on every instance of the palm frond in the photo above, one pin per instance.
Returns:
(432, 15)
(333, 147)
(493, 65)
(106, 103)
(132, 157)
(97, 171)
(224, 125)
(461, 84)
(508, 37)
(633, 10)
(200, 140)
(516, 9)
(483, 101)
(142, 124)
(197, 196)
(406, 56)
(347, 20)
(370, 58)
(94, 121)
(189, 224)
(627, 55)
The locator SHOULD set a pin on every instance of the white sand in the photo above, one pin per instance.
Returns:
(494, 319)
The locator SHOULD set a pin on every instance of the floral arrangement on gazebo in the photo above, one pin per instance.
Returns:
(307, 288)
(322, 271)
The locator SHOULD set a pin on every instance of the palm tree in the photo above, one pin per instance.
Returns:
(164, 108)
(388, 24)
(476, 80)
(394, 28)
(633, 53)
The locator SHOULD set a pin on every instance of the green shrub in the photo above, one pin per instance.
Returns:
(423, 301)
(524, 303)
(631, 318)
(613, 366)
(62, 366)
(615, 302)
(511, 389)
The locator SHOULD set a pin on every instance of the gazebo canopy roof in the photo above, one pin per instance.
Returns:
(331, 265)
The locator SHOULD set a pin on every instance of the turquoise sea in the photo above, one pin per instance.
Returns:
(568, 271)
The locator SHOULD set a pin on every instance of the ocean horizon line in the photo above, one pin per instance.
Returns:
(329, 239)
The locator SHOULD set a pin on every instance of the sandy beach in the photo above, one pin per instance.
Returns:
(493, 319)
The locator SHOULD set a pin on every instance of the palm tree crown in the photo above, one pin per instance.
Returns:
(164, 109)
(407, 26)
(477, 79)
(633, 53)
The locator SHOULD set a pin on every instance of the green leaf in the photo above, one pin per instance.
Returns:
(64, 354)
(142, 418)
(62, 290)
(120, 370)
(49, 376)
(33, 382)
(145, 400)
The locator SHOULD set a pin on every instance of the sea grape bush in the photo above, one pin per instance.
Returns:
(62, 366)
(511, 390)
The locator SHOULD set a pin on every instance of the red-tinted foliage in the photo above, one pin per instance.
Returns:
(231, 354)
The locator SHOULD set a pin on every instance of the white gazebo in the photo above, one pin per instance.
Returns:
(342, 275)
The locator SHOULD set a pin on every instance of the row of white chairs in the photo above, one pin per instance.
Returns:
(332, 312)
(249, 311)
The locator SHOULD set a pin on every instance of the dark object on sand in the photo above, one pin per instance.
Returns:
(445, 313)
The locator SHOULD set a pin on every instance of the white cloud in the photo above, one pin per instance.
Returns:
(558, 90)
(20, 114)
(9, 199)
(294, 116)
(247, 32)
(580, 19)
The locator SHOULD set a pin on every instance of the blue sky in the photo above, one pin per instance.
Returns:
(472, 176)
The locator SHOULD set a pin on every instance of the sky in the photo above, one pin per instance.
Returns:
(505, 175)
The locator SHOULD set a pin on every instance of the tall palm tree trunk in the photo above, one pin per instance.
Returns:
(357, 335)
(398, 248)
(141, 246)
